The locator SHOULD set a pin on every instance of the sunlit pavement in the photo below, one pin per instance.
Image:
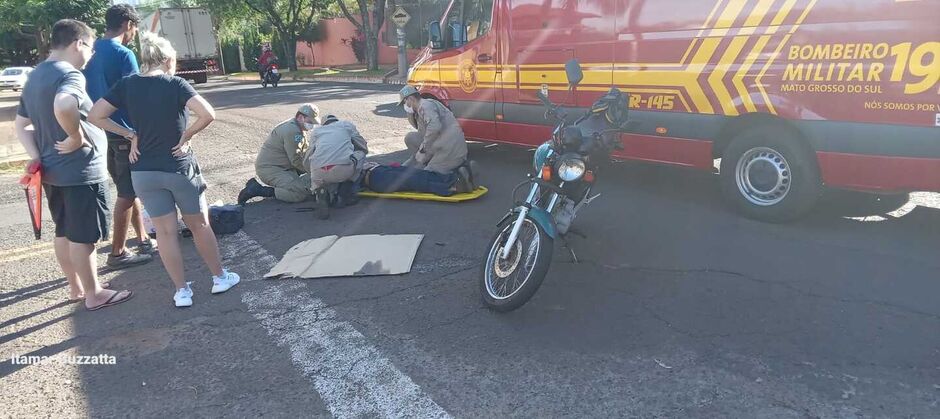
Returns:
(678, 307)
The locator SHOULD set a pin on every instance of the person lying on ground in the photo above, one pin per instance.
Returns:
(390, 179)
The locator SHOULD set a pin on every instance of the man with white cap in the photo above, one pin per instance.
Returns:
(335, 158)
(280, 163)
(439, 144)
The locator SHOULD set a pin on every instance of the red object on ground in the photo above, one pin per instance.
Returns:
(32, 184)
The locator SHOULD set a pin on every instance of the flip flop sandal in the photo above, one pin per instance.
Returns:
(104, 285)
(111, 301)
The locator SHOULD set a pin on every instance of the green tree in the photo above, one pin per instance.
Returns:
(291, 19)
(34, 18)
(371, 19)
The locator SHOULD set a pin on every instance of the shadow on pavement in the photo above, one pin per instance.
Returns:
(32, 291)
(202, 360)
(391, 110)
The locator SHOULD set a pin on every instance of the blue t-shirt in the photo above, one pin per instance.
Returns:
(111, 62)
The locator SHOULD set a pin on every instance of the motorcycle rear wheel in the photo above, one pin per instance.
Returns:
(508, 284)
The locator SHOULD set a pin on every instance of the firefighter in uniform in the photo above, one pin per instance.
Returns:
(280, 163)
(439, 144)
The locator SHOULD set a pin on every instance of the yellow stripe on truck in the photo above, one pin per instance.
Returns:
(734, 63)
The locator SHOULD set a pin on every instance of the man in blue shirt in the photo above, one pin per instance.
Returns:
(112, 62)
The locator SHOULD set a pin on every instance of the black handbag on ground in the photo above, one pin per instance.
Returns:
(226, 219)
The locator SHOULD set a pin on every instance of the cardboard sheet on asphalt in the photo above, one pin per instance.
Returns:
(363, 255)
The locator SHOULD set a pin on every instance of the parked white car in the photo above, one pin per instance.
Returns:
(14, 78)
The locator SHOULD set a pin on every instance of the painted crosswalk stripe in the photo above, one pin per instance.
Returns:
(351, 375)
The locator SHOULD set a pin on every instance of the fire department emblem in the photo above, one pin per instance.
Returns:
(467, 74)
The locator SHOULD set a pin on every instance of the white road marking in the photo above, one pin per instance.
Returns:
(351, 375)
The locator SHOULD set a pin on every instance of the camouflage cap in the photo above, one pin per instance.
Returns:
(309, 110)
(405, 92)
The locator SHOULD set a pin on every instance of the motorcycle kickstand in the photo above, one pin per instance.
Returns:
(565, 244)
(578, 233)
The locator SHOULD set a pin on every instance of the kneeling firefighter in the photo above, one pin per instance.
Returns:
(280, 162)
(335, 160)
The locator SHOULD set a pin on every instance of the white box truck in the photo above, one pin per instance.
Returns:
(192, 35)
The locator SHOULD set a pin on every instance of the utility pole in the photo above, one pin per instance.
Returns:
(401, 18)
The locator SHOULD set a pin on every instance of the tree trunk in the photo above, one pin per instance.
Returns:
(42, 46)
(289, 42)
(372, 50)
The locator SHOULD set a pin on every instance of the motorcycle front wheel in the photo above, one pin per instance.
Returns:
(507, 284)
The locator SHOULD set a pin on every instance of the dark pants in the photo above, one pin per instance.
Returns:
(80, 213)
(388, 179)
(119, 166)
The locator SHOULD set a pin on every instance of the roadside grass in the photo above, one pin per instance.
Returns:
(13, 168)
(353, 71)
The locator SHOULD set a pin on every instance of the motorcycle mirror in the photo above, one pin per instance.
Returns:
(434, 35)
(573, 72)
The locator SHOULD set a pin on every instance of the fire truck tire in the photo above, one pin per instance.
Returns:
(200, 78)
(769, 174)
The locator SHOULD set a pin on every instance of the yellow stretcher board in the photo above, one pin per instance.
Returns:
(419, 196)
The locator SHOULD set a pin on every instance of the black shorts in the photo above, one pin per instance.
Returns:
(119, 166)
(80, 212)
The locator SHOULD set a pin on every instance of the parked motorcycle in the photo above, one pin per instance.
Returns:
(520, 253)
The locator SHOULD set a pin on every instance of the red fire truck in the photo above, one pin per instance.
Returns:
(791, 95)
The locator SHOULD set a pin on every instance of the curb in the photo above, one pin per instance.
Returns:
(363, 80)
(11, 163)
(11, 154)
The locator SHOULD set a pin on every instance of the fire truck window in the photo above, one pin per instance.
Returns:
(467, 20)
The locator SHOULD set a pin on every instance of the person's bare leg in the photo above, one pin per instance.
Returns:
(170, 252)
(137, 221)
(85, 263)
(122, 217)
(206, 243)
(76, 290)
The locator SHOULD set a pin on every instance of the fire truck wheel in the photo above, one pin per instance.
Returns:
(769, 174)
(200, 78)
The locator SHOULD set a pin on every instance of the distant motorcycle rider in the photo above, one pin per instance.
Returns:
(265, 60)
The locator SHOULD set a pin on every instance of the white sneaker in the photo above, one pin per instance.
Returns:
(223, 283)
(184, 296)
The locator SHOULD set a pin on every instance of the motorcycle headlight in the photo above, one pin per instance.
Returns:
(571, 169)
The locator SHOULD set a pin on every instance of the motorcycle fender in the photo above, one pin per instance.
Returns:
(540, 216)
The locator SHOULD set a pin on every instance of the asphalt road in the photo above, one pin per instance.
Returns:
(678, 307)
